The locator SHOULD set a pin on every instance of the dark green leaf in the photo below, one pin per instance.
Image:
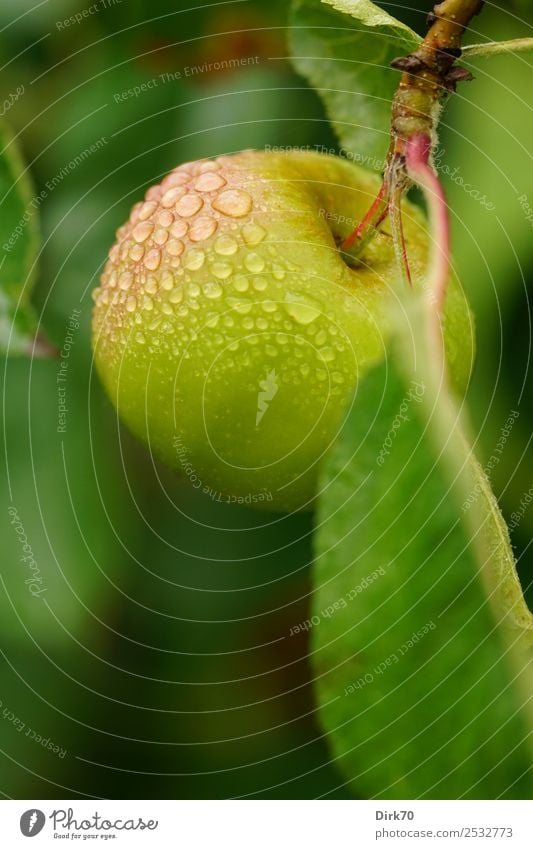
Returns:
(344, 49)
(19, 239)
(421, 635)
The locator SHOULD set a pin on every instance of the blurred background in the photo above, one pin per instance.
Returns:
(158, 663)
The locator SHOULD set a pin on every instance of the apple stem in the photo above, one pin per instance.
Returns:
(368, 226)
(398, 237)
(418, 151)
(428, 78)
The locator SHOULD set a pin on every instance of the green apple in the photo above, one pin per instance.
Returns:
(229, 330)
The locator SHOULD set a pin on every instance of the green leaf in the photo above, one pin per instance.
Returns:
(344, 49)
(421, 635)
(19, 240)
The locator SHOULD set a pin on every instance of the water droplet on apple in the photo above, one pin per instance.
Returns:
(254, 263)
(212, 290)
(194, 259)
(240, 283)
(222, 270)
(233, 202)
(253, 234)
(152, 260)
(226, 245)
(189, 205)
(301, 308)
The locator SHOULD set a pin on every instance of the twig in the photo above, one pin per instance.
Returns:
(428, 77)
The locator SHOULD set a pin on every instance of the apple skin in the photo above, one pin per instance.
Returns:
(229, 331)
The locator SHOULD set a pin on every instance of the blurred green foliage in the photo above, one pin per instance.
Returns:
(159, 655)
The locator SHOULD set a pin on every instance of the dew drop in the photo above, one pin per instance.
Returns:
(271, 351)
(303, 311)
(222, 270)
(179, 228)
(305, 369)
(167, 281)
(125, 280)
(248, 323)
(171, 197)
(278, 272)
(254, 263)
(321, 374)
(152, 260)
(240, 305)
(253, 234)
(203, 228)
(193, 290)
(147, 303)
(282, 338)
(189, 205)
(175, 247)
(269, 306)
(142, 231)
(240, 283)
(207, 165)
(151, 285)
(153, 193)
(210, 181)
(212, 319)
(321, 337)
(262, 323)
(226, 245)
(131, 303)
(233, 202)
(136, 253)
(337, 377)
(194, 259)
(166, 308)
(176, 296)
(259, 284)
(165, 218)
(139, 337)
(160, 236)
(327, 354)
(212, 290)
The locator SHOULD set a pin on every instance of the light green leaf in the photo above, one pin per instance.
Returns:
(421, 636)
(372, 16)
(344, 49)
(19, 240)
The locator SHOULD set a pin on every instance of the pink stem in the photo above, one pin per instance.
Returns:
(373, 218)
(419, 170)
